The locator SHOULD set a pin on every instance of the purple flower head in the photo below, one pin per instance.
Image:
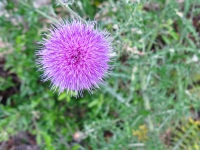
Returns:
(75, 56)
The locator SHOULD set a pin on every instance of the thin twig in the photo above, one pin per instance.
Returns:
(136, 145)
(65, 5)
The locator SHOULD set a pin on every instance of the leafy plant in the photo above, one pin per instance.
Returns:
(154, 82)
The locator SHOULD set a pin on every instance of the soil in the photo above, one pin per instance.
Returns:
(21, 141)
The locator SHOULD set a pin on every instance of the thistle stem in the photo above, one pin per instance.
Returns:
(146, 100)
(40, 12)
(65, 5)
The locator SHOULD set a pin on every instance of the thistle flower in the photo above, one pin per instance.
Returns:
(75, 56)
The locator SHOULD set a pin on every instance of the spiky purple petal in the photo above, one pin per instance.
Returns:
(75, 56)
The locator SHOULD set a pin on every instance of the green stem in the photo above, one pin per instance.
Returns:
(40, 12)
(71, 11)
(146, 100)
(152, 40)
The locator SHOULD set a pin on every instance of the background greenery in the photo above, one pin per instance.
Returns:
(151, 101)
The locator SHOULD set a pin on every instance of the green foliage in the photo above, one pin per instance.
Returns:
(155, 81)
